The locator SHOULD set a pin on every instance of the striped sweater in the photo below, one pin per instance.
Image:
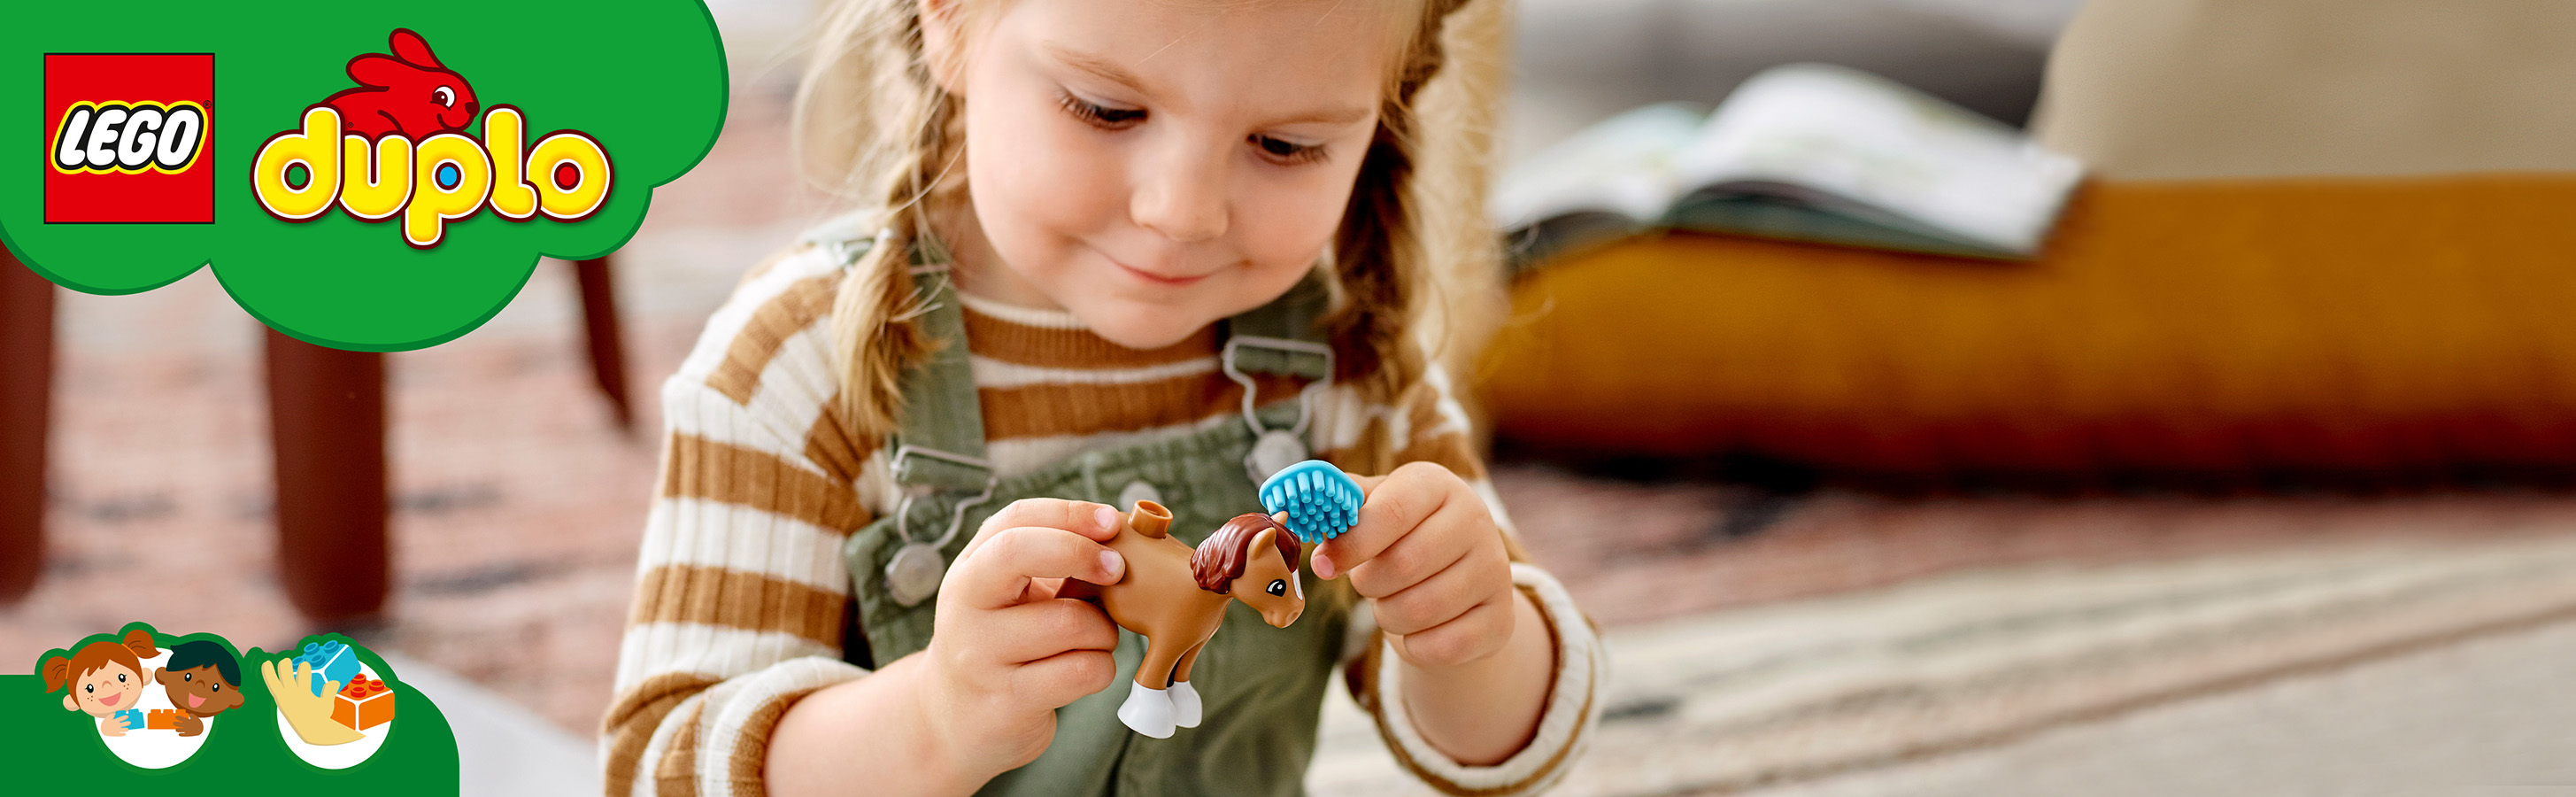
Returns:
(742, 598)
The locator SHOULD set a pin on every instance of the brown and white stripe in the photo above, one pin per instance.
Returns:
(741, 594)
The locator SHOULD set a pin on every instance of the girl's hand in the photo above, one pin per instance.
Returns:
(112, 726)
(1006, 652)
(1427, 555)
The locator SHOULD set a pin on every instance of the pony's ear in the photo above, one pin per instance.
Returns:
(410, 47)
(1264, 542)
(140, 641)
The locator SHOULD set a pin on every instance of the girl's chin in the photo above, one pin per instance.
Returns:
(1143, 336)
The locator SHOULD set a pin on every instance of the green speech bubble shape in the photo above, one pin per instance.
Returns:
(644, 78)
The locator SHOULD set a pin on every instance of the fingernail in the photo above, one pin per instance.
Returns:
(1113, 563)
(1323, 565)
(1108, 518)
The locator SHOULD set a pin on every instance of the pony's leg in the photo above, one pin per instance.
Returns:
(1148, 709)
(1185, 698)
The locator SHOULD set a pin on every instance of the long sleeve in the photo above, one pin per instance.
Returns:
(741, 593)
(1426, 423)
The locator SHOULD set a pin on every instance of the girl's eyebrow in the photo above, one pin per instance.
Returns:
(1097, 66)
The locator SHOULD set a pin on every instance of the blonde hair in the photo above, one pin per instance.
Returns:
(874, 128)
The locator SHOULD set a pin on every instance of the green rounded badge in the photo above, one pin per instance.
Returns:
(365, 177)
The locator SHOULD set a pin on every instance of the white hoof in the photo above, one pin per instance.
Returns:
(1148, 711)
(1185, 705)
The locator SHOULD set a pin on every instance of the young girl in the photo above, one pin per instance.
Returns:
(105, 680)
(1108, 250)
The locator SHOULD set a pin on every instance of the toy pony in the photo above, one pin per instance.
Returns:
(407, 92)
(1175, 596)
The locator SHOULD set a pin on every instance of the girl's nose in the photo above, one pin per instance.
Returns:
(1182, 196)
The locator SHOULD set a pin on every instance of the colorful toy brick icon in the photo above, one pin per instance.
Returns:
(161, 719)
(367, 703)
(331, 661)
(133, 718)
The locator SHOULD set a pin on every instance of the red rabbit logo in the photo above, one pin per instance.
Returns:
(407, 92)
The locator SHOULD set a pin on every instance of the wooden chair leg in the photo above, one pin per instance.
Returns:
(326, 410)
(599, 325)
(26, 402)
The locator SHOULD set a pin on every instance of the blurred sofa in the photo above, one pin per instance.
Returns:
(2322, 236)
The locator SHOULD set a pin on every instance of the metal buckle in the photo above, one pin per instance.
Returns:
(957, 518)
(1274, 449)
(1250, 390)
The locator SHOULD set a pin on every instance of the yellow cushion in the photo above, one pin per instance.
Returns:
(2344, 324)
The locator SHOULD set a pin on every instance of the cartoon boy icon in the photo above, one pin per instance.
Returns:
(202, 679)
(106, 680)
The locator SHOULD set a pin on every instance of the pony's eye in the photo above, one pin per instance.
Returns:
(446, 96)
(1278, 586)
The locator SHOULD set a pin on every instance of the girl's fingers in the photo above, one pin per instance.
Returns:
(1470, 636)
(997, 574)
(1034, 631)
(1439, 598)
(1390, 508)
(1438, 543)
(1096, 521)
(1065, 677)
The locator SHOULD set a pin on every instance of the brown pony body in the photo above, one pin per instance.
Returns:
(1175, 596)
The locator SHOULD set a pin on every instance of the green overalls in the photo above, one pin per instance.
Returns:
(1262, 687)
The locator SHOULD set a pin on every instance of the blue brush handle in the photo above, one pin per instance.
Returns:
(1321, 501)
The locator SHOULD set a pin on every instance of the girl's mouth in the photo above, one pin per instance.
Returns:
(110, 700)
(1158, 279)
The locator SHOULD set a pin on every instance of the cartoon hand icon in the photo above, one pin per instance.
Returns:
(308, 713)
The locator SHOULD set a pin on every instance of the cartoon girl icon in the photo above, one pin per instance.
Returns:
(106, 681)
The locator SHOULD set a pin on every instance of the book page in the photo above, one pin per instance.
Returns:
(1839, 137)
(1620, 165)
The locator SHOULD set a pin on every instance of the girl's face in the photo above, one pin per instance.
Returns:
(107, 690)
(1152, 166)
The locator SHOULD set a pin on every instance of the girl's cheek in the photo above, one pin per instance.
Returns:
(1293, 216)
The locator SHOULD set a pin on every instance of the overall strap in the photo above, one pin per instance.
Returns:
(1281, 337)
(941, 442)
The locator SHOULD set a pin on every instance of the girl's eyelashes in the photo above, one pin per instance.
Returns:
(1108, 118)
(1099, 115)
(1286, 151)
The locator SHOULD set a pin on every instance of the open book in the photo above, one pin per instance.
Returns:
(1803, 152)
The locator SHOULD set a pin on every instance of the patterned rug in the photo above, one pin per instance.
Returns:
(1789, 692)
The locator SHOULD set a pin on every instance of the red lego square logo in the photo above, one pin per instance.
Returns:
(129, 138)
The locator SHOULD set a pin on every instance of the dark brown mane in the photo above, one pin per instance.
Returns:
(1221, 559)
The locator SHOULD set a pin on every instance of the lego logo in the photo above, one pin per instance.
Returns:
(129, 138)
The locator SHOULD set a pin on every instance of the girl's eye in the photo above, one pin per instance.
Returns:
(90, 688)
(1288, 151)
(1278, 587)
(1100, 115)
(120, 677)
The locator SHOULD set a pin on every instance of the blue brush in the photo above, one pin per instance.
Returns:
(1321, 501)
